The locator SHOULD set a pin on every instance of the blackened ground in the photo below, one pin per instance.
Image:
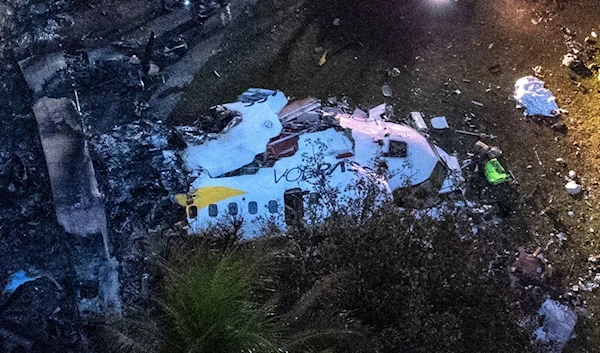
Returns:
(42, 312)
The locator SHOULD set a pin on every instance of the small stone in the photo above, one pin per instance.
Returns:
(571, 213)
(560, 160)
(336, 21)
(572, 174)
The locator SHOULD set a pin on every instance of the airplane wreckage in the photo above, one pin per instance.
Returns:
(272, 158)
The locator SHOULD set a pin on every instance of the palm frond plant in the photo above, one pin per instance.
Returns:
(209, 309)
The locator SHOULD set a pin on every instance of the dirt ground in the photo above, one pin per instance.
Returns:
(440, 47)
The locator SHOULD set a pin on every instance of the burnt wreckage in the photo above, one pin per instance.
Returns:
(109, 173)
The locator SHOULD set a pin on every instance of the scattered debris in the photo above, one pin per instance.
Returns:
(538, 71)
(537, 156)
(478, 134)
(336, 21)
(386, 90)
(534, 98)
(529, 266)
(323, 58)
(439, 122)
(494, 172)
(561, 236)
(573, 188)
(17, 279)
(417, 122)
(377, 112)
(483, 149)
(558, 324)
(578, 54)
(393, 72)
(479, 104)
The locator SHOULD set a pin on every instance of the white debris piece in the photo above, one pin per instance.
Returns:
(439, 122)
(537, 100)
(558, 325)
(573, 188)
(572, 174)
(386, 90)
(377, 112)
(569, 59)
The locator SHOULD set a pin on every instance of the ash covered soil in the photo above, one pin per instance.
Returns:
(438, 49)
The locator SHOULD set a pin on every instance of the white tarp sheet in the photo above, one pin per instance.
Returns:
(537, 100)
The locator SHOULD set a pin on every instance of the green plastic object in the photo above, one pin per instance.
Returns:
(494, 172)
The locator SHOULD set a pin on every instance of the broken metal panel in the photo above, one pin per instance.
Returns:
(39, 70)
(284, 145)
(79, 208)
(297, 108)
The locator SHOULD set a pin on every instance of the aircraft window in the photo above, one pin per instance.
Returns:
(233, 208)
(213, 211)
(192, 212)
(398, 149)
(252, 207)
(313, 198)
(273, 206)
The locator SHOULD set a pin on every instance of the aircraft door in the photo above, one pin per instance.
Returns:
(293, 206)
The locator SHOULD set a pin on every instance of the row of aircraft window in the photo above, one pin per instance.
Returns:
(232, 208)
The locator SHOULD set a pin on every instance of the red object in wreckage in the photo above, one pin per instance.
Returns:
(283, 145)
